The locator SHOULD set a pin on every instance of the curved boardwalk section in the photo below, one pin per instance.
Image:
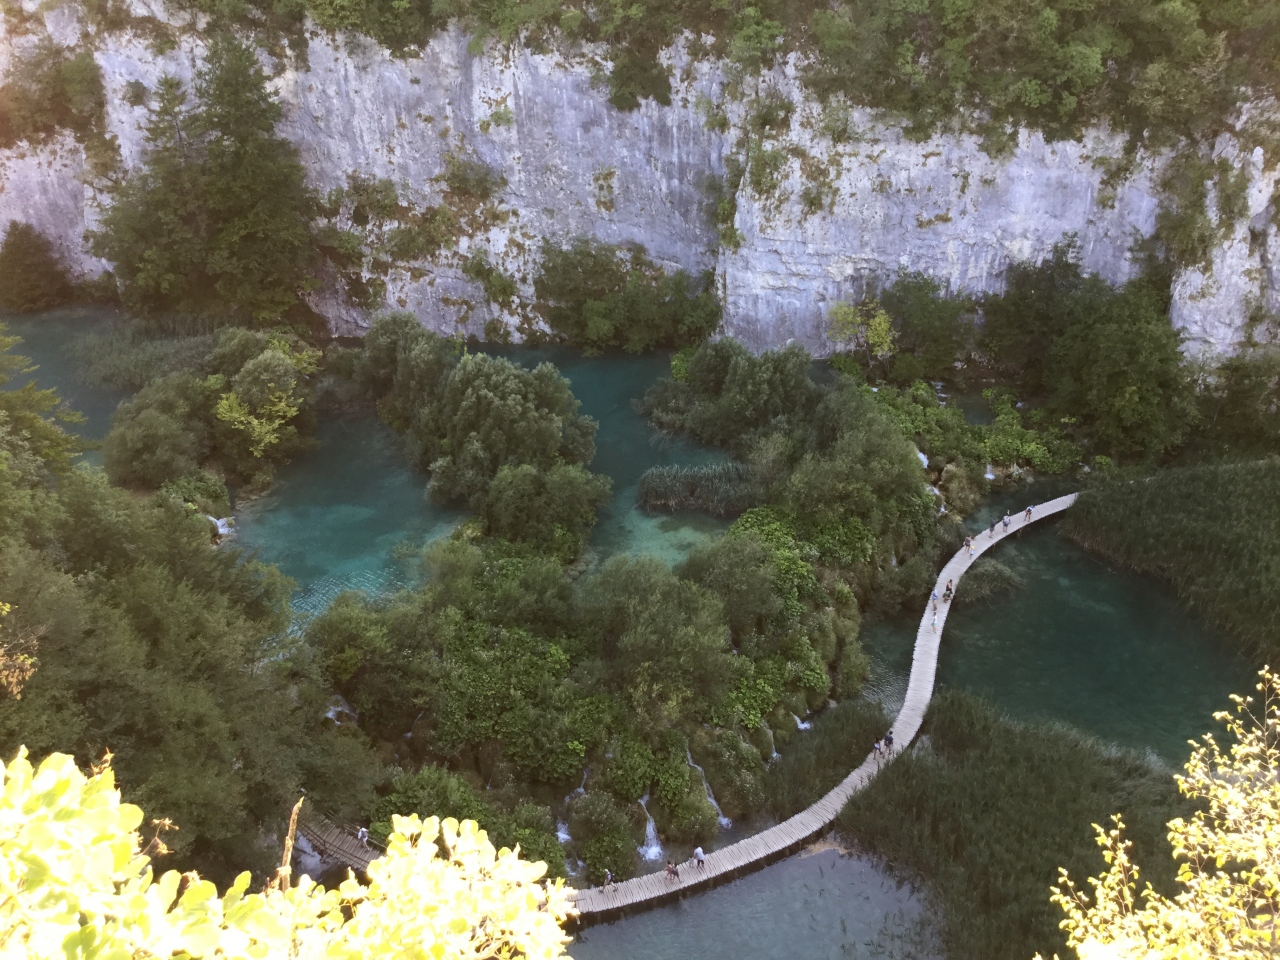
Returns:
(598, 903)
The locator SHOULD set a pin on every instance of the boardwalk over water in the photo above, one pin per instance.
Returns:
(597, 904)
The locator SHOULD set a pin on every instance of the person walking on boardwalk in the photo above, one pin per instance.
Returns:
(948, 593)
(935, 618)
(878, 750)
(699, 858)
(608, 878)
(968, 545)
(1027, 517)
(671, 871)
(1006, 523)
(991, 533)
(363, 835)
(888, 741)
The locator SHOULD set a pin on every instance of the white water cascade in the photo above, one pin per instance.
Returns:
(802, 724)
(562, 826)
(725, 822)
(652, 849)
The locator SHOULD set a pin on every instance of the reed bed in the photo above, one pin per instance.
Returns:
(816, 760)
(987, 810)
(1212, 531)
(722, 489)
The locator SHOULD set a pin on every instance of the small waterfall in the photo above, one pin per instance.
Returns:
(652, 849)
(223, 526)
(562, 826)
(725, 822)
(801, 724)
(562, 832)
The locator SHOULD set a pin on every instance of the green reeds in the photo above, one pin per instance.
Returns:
(722, 489)
(817, 759)
(987, 811)
(1212, 531)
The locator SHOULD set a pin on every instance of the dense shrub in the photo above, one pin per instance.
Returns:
(1239, 406)
(1212, 531)
(48, 90)
(552, 511)
(32, 275)
(465, 418)
(995, 808)
(730, 397)
(129, 356)
(597, 296)
(602, 835)
(721, 489)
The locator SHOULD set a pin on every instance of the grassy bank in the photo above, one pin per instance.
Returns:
(989, 810)
(1212, 531)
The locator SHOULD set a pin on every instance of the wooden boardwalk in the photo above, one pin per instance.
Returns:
(597, 904)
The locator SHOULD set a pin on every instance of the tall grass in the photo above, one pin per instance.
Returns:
(129, 356)
(722, 489)
(989, 809)
(1212, 531)
(817, 759)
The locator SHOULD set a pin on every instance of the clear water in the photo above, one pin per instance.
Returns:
(48, 340)
(1108, 651)
(608, 386)
(818, 904)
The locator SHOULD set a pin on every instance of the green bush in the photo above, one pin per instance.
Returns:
(597, 296)
(602, 835)
(162, 434)
(552, 511)
(32, 275)
(49, 90)
(995, 808)
(129, 356)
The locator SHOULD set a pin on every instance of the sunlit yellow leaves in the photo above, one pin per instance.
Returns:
(1230, 853)
(75, 884)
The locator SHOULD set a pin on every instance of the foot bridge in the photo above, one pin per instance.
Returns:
(598, 904)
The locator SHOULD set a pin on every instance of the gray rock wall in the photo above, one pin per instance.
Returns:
(574, 164)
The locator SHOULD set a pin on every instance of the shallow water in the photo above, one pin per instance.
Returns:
(817, 904)
(48, 340)
(1109, 651)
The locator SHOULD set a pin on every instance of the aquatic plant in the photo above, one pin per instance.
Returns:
(986, 810)
(814, 763)
(721, 489)
(1212, 531)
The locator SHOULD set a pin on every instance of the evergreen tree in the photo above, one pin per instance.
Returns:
(218, 216)
(32, 276)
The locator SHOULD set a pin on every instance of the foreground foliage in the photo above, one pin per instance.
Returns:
(78, 881)
(989, 810)
(1213, 531)
(1228, 902)
(150, 644)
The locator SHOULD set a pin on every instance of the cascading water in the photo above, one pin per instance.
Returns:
(652, 849)
(725, 822)
(562, 826)
(802, 724)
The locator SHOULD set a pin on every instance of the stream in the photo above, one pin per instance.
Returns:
(1107, 651)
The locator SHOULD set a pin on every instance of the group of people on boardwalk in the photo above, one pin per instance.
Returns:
(883, 748)
(673, 869)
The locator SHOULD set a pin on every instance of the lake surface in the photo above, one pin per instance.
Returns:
(1106, 650)
(821, 904)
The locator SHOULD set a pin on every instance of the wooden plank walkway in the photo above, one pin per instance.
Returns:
(597, 903)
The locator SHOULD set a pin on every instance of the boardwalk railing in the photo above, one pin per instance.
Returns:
(603, 903)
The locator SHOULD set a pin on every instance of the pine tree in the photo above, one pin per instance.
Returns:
(219, 215)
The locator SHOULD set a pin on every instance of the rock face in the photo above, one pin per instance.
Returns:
(826, 220)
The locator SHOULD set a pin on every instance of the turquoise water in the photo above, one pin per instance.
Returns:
(819, 904)
(335, 514)
(48, 340)
(1111, 652)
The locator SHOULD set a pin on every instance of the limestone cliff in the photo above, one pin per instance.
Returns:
(825, 213)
